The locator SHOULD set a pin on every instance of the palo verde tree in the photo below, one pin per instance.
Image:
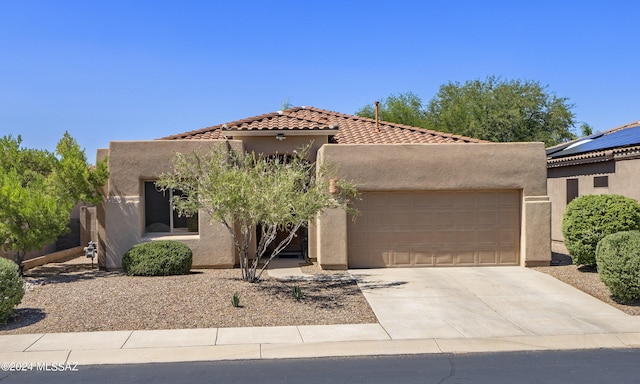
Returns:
(248, 192)
(38, 190)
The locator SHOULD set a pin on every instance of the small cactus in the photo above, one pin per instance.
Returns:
(235, 300)
(297, 293)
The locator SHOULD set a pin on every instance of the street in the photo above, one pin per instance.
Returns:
(585, 366)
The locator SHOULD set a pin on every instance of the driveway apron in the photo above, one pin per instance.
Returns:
(475, 302)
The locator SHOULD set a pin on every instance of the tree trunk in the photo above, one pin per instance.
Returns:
(18, 258)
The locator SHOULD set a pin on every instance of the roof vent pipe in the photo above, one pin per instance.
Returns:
(377, 116)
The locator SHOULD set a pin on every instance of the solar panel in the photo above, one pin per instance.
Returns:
(562, 147)
(621, 138)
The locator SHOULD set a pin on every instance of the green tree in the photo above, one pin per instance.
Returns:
(39, 189)
(248, 191)
(501, 111)
(586, 129)
(405, 108)
(492, 109)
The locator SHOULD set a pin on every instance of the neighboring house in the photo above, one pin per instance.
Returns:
(605, 162)
(428, 198)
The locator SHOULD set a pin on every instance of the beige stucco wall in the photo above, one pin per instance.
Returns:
(130, 164)
(102, 154)
(623, 180)
(425, 167)
(626, 181)
(405, 167)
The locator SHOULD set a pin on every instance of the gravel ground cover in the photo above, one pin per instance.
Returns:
(74, 297)
(587, 280)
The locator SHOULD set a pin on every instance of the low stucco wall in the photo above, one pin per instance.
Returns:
(426, 167)
(53, 257)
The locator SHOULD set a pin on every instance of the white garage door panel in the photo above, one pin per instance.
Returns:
(443, 228)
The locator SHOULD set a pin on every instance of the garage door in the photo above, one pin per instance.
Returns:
(435, 228)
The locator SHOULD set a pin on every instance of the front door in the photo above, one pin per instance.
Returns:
(296, 247)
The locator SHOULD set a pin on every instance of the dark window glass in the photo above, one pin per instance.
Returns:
(159, 214)
(157, 209)
(600, 181)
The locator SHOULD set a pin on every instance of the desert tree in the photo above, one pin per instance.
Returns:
(249, 192)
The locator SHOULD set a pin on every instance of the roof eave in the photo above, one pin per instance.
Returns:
(275, 132)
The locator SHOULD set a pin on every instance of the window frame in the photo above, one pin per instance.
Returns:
(172, 213)
(601, 181)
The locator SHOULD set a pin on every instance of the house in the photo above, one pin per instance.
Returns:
(428, 198)
(605, 162)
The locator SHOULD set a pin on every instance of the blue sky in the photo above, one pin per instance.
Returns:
(143, 69)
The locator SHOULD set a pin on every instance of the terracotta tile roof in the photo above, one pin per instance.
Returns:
(344, 129)
(555, 156)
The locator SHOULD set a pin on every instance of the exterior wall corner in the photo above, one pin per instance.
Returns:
(536, 231)
(331, 239)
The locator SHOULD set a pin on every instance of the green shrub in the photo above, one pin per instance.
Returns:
(11, 288)
(158, 258)
(588, 219)
(618, 257)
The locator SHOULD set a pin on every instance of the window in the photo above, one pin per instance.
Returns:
(159, 214)
(600, 181)
(572, 189)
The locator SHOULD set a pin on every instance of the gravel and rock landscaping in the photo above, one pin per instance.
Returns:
(587, 280)
(73, 297)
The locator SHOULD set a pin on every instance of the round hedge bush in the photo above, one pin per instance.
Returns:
(588, 219)
(618, 258)
(11, 288)
(158, 258)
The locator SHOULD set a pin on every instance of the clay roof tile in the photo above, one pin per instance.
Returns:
(350, 129)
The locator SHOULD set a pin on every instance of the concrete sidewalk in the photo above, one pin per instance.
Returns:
(132, 347)
(424, 310)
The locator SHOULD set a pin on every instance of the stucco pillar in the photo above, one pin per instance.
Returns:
(536, 231)
(88, 231)
(331, 239)
(312, 246)
(102, 247)
(123, 226)
(102, 154)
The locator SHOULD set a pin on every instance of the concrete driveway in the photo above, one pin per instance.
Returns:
(414, 303)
